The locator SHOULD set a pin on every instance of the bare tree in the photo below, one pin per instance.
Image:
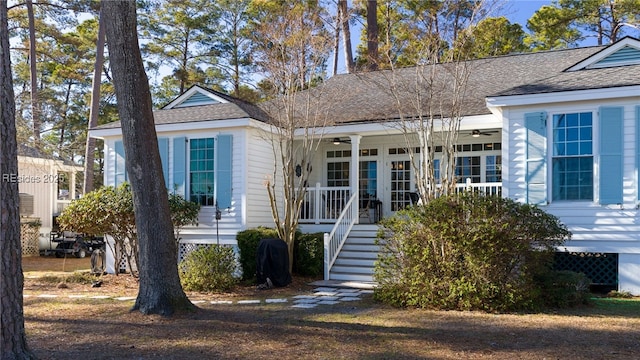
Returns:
(429, 97)
(90, 149)
(160, 291)
(294, 47)
(13, 342)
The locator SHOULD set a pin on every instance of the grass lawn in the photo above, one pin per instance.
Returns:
(86, 328)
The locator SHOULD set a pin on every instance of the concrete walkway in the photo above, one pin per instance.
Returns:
(323, 295)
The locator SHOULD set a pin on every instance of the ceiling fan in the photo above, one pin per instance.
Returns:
(477, 133)
(338, 141)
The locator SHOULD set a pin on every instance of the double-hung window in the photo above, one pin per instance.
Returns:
(572, 163)
(201, 171)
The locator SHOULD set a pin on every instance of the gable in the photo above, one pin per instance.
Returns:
(196, 99)
(624, 56)
(621, 53)
(196, 96)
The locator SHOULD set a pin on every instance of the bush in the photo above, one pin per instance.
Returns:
(561, 289)
(248, 241)
(466, 252)
(109, 211)
(209, 268)
(308, 254)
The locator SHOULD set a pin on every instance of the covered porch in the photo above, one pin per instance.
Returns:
(372, 176)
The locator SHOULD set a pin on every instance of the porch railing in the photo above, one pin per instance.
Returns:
(334, 240)
(323, 204)
(488, 189)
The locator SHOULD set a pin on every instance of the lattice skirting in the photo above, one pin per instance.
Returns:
(186, 248)
(183, 250)
(29, 237)
(601, 268)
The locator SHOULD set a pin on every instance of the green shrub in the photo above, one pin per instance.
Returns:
(248, 241)
(209, 268)
(109, 211)
(466, 252)
(308, 253)
(561, 289)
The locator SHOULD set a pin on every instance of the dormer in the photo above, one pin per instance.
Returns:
(196, 96)
(623, 52)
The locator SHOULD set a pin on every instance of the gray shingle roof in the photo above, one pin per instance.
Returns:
(29, 151)
(384, 95)
(235, 109)
(32, 152)
(585, 79)
(379, 95)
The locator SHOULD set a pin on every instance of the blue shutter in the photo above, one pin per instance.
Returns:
(163, 147)
(611, 155)
(638, 148)
(119, 172)
(536, 158)
(224, 175)
(179, 166)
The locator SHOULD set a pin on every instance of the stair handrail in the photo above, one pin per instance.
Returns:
(334, 240)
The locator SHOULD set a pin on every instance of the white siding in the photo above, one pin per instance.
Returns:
(629, 268)
(260, 162)
(109, 162)
(595, 228)
(207, 230)
(42, 190)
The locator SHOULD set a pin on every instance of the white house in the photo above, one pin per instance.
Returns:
(555, 128)
(214, 151)
(46, 186)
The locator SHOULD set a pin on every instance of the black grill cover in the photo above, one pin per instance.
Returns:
(272, 261)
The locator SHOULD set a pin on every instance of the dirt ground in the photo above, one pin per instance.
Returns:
(72, 328)
(51, 275)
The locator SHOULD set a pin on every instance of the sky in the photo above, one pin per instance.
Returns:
(519, 11)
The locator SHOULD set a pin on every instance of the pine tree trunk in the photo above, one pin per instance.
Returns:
(90, 149)
(13, 342)
(346, 35)
(160, 291)
(372, 35)
(336, 42)
(35, 105)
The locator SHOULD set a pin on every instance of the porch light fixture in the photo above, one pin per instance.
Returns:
(475, 133)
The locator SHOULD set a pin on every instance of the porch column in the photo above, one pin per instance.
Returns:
(355, 177)
(72, 184)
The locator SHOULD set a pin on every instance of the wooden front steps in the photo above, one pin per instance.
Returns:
(357, 257)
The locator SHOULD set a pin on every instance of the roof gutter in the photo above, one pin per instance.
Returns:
(563, 96)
